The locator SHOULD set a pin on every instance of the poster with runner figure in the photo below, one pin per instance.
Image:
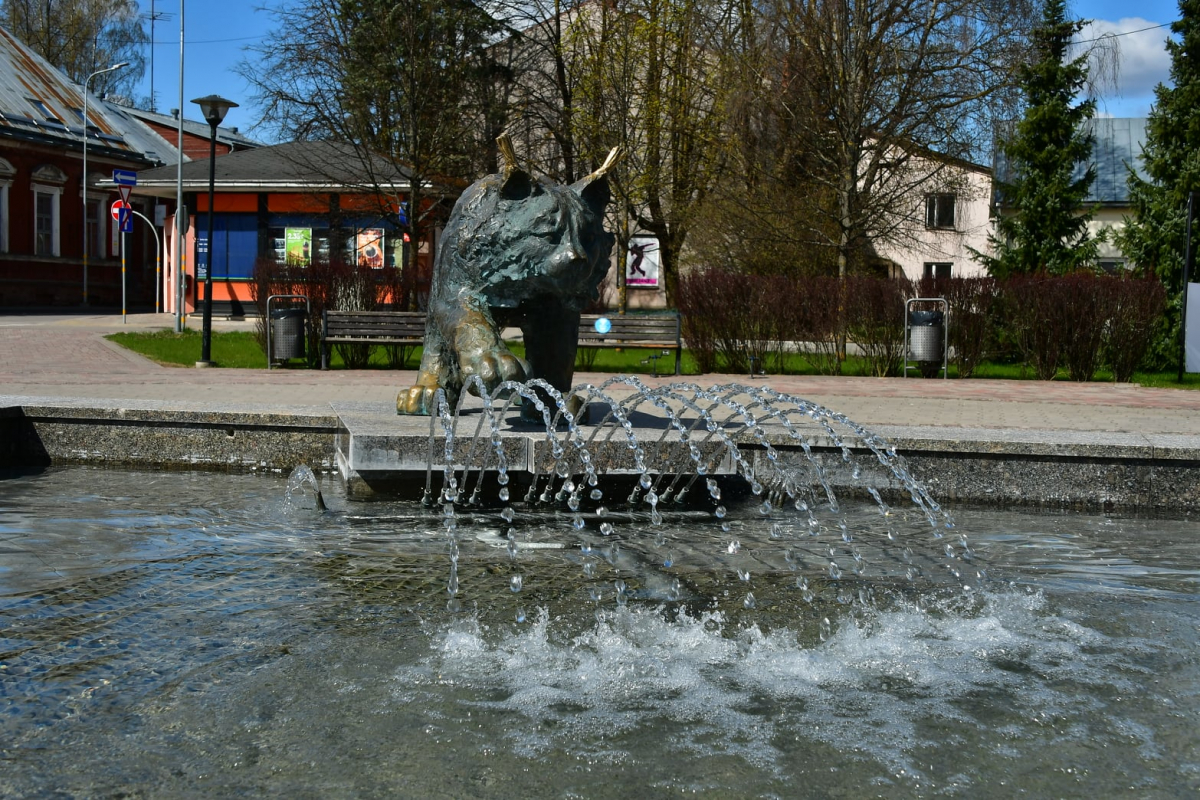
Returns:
(641, 263)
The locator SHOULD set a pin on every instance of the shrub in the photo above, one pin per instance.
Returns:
(327, 285)
(971, 327)
(697, 305)
(1087, 300)
(1032, 309)
(875, 321)
(818, 299)
(1137, 314)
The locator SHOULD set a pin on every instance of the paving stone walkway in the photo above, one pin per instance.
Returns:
(66, 356)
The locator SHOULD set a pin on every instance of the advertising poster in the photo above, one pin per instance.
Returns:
(641, 264)
(369, 247)
(298, 244)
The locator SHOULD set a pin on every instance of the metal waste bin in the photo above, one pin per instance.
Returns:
(926, 334)
(287, 333)
(925, 337)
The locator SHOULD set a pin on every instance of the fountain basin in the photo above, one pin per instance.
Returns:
(181, 634)
(377, 453)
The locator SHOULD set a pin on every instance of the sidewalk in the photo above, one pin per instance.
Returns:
(65, 356)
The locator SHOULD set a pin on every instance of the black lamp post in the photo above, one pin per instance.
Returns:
(213, 107)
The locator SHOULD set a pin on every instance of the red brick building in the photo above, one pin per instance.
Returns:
(42, 199)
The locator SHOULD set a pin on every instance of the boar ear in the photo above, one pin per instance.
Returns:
(516, 182)
(593, 188)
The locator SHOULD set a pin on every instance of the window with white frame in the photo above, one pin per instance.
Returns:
(939, 211)
(938, 270)
(4, 187)
(96, 214)
(7, 171)
(46, 220)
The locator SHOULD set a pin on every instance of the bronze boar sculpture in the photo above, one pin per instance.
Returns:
(519, 251)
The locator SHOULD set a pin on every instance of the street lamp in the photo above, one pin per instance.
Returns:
(214, 108)
(86, 83)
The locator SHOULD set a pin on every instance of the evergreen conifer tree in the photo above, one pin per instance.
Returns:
(1047, 228)
(1154, 238)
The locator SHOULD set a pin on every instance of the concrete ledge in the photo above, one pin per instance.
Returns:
(377, 452)
(35, 434)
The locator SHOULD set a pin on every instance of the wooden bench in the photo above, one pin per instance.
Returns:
(643, 331)
(370, 327)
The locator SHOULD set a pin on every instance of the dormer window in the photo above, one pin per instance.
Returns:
(939, 211)
(42, 110)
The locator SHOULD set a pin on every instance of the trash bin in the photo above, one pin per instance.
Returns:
(926, 335)
(287, 333)
(926, 340)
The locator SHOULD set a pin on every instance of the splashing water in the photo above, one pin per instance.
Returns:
(750, 441)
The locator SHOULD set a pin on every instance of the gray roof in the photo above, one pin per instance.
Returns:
(229, 136)
(39, 103)
(1117, 147)
(139, 135)
(293, 166)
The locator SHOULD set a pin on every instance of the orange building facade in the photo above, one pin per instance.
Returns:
(284, 204)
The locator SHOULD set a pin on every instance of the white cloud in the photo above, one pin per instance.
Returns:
(1143, 58)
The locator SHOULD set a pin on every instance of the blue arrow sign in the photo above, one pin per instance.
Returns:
(125, 220)
(124, 177)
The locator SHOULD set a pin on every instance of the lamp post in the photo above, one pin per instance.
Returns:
(86, 83)
(214, 108)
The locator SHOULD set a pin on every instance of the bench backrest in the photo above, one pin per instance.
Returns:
(638, 327)
(384, 324)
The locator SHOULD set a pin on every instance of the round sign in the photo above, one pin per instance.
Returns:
(115, 211)
(603, 325)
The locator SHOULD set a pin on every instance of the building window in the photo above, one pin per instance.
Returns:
(938, 270)
(45, 220)
(4, 215)
(939, 211)
(42, 110)
(1112, 266)
(7, 171)
(95, 226)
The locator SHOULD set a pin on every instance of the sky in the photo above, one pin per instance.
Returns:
(217, 33)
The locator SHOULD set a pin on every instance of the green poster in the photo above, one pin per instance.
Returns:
(298, 244)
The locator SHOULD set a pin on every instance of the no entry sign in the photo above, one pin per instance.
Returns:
(115, 211)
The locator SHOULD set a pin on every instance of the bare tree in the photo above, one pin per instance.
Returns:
(655, 81)
(887, 94)
(83, 36)
(388, 80)
(544, 52)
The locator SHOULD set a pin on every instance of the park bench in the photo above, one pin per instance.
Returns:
(370, 327)
(643, 331)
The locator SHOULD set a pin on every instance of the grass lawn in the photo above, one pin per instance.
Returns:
(240, 350)
(235, 349)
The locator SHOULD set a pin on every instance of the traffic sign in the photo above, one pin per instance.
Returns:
(124, 177)
(117, 207)
(125, 190)
(125, 219)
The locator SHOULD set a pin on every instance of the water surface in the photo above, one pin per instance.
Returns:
(177, 634)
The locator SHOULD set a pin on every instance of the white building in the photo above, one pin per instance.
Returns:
(944, 223)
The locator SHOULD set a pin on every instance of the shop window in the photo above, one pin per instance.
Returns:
(235, 245)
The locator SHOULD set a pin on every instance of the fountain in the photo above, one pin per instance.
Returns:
(616, 485)
(593, 591)
(675, 588)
